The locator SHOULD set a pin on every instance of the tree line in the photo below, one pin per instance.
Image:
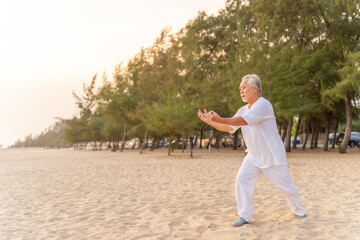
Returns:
(52, 137)
(305, 52)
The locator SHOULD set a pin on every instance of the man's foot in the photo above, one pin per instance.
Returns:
(239, 222)
(301, 216)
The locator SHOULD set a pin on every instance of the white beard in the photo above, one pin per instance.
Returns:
(244, 99)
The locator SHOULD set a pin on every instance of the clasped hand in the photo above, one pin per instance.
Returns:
(208, 116)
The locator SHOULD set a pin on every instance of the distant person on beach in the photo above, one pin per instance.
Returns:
(265, 149)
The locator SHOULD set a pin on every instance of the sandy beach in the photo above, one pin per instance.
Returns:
(67, 194)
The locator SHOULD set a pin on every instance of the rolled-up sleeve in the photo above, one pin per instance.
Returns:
(258, 113)
(235, 128)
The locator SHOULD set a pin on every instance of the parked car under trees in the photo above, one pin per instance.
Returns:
(354, 139)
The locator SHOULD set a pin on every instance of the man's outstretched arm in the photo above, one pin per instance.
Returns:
(234, 121)
(218, 126)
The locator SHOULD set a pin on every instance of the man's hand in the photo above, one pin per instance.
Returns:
(203, 116)
(208, 116)
(213, 116)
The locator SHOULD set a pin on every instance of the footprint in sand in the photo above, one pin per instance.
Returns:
(201, 229)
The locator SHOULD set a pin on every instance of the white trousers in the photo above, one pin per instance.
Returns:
(247, 178)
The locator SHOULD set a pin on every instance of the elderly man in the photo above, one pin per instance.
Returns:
(265, 149)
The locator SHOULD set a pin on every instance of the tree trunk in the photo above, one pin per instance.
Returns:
(141, 143)
(306, 136)
(157, 142)
(153, 142)
(288, 136)
(327, 131)
(145, 142)
(183, 143)
(208, 145)
(345, 141)
(235, 140)
(335, 130)
(283, 134)
(201, 136)
(279, 128)
(217, 142)
(318, 129)
(195, 140)
(191, 145)
(297, 132)
(123, 138)
(312, 135)
(113, 146)
(169, 148)
(133, 146)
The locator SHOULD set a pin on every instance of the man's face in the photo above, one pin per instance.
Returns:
(246, 92)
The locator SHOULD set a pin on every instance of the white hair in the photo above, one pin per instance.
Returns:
(253, 80)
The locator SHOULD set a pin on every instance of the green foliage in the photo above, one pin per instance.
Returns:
(113, 105)
(175, 145)
(355, 127)
(306, 53)
(52, 137)
(75, 130)
(350, 79)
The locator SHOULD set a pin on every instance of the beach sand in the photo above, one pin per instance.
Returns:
(67, 194)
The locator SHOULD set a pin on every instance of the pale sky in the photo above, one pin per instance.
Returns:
(48, 48)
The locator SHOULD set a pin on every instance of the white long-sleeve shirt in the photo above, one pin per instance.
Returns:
(264, 145)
